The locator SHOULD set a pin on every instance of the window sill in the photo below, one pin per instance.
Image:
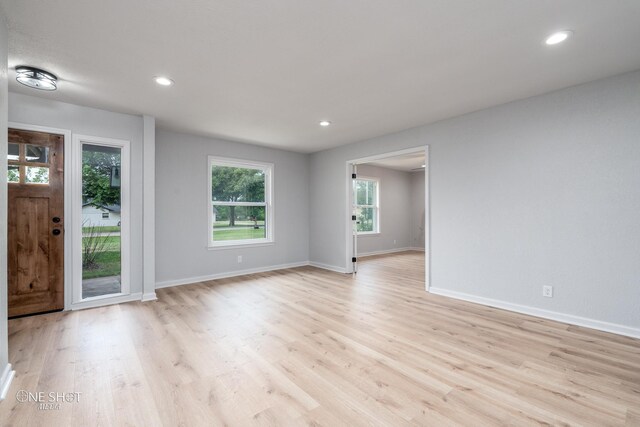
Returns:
(103, 300)
(240, 245)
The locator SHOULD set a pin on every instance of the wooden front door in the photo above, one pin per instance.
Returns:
(36, 222)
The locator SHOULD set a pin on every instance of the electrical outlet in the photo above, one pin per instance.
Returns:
(239, 259)
(547, 291)
(394, 242)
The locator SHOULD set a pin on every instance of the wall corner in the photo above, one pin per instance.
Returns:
(148, 209)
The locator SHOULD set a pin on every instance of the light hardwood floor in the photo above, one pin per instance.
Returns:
(310, 347)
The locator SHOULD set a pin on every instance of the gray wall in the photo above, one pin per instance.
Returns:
(4, 343)
(395, 213)
(542, 191)
(94, 122)
(417, 211)
(181, 209)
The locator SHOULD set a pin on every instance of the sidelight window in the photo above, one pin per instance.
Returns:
(102, 223)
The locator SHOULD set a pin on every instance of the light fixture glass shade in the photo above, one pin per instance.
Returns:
(36, 78)
(558, 37)
(163, 81)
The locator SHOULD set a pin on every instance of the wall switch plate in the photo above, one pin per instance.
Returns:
(239, 259)
(547, 291)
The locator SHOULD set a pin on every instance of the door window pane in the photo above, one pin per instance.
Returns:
(13, 173)
(36, 175)
(101, 246)
(14, 152)
(37, 154)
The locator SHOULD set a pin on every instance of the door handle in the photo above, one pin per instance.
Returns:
(56, 232)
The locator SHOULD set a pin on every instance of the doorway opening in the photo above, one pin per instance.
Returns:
(387, 220)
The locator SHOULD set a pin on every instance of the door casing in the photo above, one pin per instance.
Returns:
(427, 201)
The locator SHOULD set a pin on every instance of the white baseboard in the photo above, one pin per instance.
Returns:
(100, 302)
(198, 279)
(149, 296)
(545, 314)
(5, 380)
(385, 251)
(190, 280)
(366, 254)
(328, 267)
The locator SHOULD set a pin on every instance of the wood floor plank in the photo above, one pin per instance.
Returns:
(306, 346)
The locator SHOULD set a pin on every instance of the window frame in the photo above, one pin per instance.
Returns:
(125, 218)
(376, 207)
(268, 169)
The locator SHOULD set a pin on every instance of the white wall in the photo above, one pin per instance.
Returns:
(4, 341)
(542, 191)
(395, 213)
(181, 209)
(94, 122)
(417, 210)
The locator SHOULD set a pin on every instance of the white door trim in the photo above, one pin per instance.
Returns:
(6, 377)
(427, 207)
(68, 212)
(125, 230)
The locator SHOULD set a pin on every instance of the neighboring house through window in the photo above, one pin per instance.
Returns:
(367, 205)
(240, 202)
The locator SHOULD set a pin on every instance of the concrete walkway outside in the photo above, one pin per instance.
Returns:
(100, 286)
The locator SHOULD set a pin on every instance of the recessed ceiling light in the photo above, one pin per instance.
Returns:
(163, 81)
(36, 78)
(325, 123)
(558, 37)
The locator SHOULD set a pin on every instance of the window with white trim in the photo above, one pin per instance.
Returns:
(367, 205)
(240, 202)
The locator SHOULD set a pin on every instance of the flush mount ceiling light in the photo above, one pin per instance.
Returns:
(558, 37)
(36, 78)
(163, 81)
(324, 123)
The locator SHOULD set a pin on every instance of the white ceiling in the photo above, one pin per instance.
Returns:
(407, 163)
(267, 71)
